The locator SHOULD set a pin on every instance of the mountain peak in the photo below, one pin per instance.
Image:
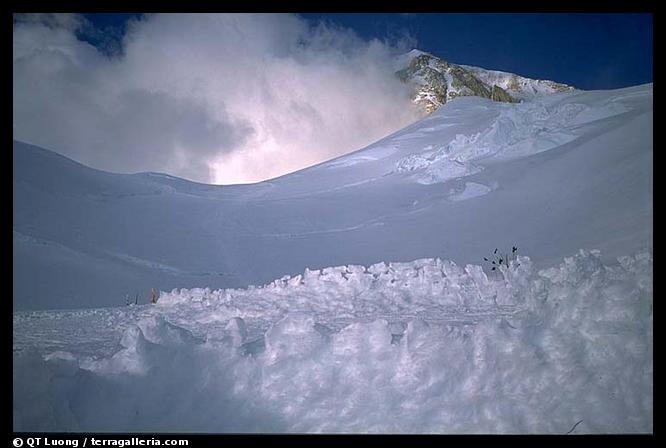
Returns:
(436, 81)
(416, 52)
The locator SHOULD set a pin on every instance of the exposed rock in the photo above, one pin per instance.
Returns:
(499, 94)
(437, 81)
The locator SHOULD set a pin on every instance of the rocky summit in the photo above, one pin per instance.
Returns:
(437, 81)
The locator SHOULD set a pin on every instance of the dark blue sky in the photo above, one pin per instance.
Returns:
(589, 51)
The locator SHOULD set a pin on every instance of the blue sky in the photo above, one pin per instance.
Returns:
(589, 51)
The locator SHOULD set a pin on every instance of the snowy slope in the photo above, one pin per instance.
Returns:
(552, 175)
(375, 314)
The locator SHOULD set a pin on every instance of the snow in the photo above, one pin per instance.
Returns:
(517, 86)
(402, 60)
(518, 131)
(429, 346)
(576, 166)
(347, 297)
(470, 190)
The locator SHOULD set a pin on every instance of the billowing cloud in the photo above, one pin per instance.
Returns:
(213, 98)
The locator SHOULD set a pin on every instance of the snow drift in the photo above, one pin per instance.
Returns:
(431, 347)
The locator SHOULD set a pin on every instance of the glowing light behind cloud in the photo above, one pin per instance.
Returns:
(212, 98)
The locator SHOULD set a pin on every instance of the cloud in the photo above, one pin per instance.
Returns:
(212, 98)
(71, 22)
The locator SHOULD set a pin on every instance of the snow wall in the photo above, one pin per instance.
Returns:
(429, 347)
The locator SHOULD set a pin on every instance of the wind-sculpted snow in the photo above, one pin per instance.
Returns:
(518, 131)
(426, 346)
(427, 288)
